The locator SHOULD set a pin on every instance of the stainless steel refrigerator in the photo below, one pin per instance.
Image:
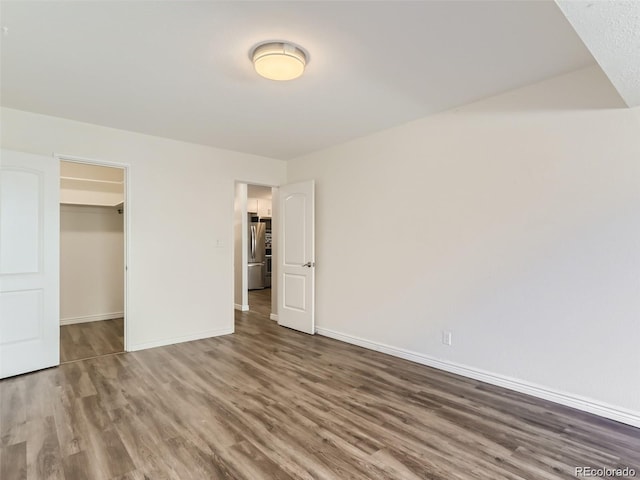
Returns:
(256, 257)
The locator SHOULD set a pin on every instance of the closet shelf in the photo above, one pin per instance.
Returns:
(117, 204)
(92, 180)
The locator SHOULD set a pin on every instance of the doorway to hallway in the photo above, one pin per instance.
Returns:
(254, 248)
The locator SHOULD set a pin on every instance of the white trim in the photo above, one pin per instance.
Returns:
(242, 308)
(91, 318)
(273, 316)
(184, 338)
(570, 400)
(126, 209)
(92, 161)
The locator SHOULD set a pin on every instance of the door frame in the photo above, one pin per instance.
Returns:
(126, 211)
(274, 220)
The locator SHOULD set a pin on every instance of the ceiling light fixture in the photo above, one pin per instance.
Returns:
(279, 60)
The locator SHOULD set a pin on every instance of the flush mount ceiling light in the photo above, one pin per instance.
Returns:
(279, 60)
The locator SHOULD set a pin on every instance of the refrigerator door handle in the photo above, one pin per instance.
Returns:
(253, 242)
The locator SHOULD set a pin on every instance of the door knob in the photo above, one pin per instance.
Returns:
(309, 264)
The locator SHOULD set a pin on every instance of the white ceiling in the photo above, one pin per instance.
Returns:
(181, 69)
(611, 31)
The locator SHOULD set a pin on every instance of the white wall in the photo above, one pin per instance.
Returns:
(91, 264)
(181, 204)
(514, 223)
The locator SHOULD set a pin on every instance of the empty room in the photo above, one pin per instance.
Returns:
(353, 240)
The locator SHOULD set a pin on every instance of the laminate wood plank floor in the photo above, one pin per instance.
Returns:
(260, 301)
(271, 403)
(91, 339)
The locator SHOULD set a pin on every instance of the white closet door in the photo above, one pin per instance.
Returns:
(29, 262)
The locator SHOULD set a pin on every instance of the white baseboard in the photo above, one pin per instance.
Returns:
(273, 317)
(622, 415)
(184, 338)
(242, 308)
(91, 318)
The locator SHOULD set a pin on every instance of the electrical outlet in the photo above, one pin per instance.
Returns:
(446, 337)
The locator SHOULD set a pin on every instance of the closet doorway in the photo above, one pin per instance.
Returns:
(92, 260)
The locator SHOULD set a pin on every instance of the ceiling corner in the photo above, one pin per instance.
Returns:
(611, 31)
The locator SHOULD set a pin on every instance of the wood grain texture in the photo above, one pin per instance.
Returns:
(260, 301)
(92, 339)
(271, 403)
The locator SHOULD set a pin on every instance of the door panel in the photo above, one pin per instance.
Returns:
(294, 228)
(296, 290)
(29, 263)
(294, 287)
(22, 315)
(20, 245)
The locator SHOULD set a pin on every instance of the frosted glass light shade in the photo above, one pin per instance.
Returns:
(279, 61)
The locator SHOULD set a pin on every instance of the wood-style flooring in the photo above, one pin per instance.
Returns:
(92, 339)
(271, 403)
(260, 301)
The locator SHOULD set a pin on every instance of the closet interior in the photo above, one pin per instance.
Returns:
(92, 260)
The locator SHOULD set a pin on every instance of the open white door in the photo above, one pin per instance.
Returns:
(296, 257)
(29, 262)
